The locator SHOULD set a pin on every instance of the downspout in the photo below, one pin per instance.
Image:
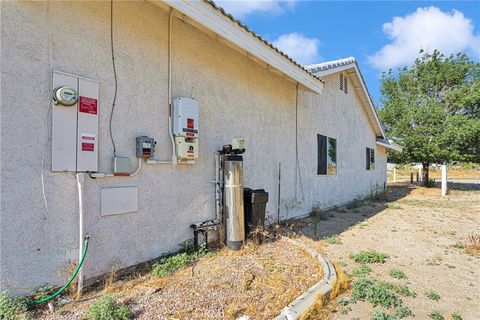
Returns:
(80, 182)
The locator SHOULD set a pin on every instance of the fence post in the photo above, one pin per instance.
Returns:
(394, 174)
(444, 180)
(411, 177)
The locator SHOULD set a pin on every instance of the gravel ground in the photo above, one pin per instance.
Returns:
(257, 281)
(421, 232)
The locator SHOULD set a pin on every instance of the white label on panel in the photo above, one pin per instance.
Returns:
(118, 200)
(64, 127)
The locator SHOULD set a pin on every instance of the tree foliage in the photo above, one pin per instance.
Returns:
(432, 109)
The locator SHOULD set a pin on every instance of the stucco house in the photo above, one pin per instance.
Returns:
(316, 125)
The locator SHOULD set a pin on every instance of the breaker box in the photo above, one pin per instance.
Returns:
(185, 117)
(74, 126)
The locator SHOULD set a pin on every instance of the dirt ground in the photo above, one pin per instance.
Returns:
(422, 233)
(257, 281)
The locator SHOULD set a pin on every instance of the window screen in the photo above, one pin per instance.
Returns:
(367, 159)
(332, 156)
(322, 154)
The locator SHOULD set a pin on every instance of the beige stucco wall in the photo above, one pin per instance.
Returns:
(237, 97)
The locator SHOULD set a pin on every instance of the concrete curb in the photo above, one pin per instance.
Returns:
(300, 305)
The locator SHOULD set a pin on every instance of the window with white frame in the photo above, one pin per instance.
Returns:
(327, 155)
(370, 159)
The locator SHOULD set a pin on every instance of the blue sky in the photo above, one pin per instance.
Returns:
(379, 34)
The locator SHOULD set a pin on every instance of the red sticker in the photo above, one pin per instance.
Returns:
(88, 105)
(88, 146)
(190, 123)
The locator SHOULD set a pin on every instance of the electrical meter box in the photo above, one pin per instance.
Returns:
(74, 123)
(185, 117)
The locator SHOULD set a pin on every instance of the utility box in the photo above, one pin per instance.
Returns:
(185, 117)
(187, 148)
(185, 128)
(75, 126)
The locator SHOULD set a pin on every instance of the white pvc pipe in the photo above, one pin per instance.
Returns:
(139, 167)
(174, 152)
(80, 181)
(444, 180)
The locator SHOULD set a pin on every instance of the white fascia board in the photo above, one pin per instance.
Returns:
(214, 20)
(389, 144)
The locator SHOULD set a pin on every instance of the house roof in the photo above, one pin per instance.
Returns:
(208, 15)
(350, 67)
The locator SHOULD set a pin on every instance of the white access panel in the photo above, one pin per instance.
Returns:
(87, 125)
(64, 127)
(118, 200)
(185, 117)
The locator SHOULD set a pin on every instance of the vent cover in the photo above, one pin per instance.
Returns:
(343, 83)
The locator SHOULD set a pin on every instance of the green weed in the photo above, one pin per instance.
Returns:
(12, 308)
(369, 256)
(397, 274)
(393, 205)
(375, 292)
(167, 266)
(456, 316)
(400, 313)
(459, 245)
(361, 270)
(435, 315)
(333, 240)
(432, 295)
(107, 308)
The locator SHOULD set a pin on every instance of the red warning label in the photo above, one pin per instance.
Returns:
(190, 123)
(88, 105)
(88, 146)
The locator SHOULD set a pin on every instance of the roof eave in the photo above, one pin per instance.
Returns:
(207, 15)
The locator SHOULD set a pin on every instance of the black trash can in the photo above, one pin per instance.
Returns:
(255, 203)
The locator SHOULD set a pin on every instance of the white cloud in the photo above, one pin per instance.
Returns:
(302, 49)
(428, 29)
(241, 8)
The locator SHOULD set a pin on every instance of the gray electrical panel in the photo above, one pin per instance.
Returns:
(145, 147)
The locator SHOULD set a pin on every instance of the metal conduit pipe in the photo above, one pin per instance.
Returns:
(80, 182)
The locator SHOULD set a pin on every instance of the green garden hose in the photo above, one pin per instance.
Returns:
(31, 303)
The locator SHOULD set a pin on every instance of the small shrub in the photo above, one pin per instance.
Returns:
(402, 290)
(377, 293)
(456, 316)
(397, 274)
(473, 244)
(369, 256)
(333, 240)
(12, 308)
(403, 312)
(380, 314)
(357, 202)
(435, 315)
(432, 295)
(107, 308)
(361, 270)
(430, 183)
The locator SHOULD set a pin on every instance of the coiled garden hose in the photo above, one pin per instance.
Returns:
(85, 249)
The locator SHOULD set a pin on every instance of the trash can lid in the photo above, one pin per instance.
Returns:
(259, 196)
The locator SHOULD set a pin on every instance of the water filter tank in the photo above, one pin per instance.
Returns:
(233, 201)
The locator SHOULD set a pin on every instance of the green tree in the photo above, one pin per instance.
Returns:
(432, 109)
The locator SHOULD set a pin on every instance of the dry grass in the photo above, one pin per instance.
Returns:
(472, 244)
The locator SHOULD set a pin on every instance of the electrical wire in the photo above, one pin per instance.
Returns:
(297, 164)
(115, 78)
